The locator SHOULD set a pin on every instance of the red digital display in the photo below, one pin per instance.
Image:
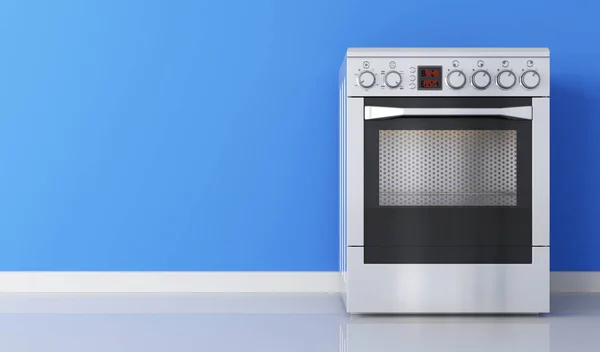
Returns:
(430, 83)
(430, 73)
(430, 77)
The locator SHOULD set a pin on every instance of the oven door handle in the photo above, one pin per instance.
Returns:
(382, 112)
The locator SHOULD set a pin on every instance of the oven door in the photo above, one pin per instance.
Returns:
(448, 180)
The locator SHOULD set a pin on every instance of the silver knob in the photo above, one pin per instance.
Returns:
(481, 79)
(393, 79)
(366, 79)
(506, 79)
(530, 79)
(456, 79)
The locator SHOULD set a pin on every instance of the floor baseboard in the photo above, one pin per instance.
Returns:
(575, 281)
(167, 282)
(217, 282)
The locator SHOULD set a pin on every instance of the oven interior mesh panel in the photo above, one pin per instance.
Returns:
(447, 168)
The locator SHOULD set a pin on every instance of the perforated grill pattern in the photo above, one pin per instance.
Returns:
(447, 168)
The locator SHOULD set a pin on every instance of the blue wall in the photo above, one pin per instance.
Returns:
(196, 135)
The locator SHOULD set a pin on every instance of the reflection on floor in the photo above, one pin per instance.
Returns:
(306, 323)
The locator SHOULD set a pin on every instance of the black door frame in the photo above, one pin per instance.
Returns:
(443, 234)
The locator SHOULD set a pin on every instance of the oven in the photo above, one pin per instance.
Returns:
(444, 182)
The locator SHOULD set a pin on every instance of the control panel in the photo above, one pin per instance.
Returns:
(466, 76)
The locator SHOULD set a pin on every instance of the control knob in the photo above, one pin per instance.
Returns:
(481, 79)
(366, 79)
(393, 79)
(506, 79)
(456, 79)
(530, 79)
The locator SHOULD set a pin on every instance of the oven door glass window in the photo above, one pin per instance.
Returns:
(447, 167)
(448, 190)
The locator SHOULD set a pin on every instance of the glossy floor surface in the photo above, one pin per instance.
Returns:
(307, 323)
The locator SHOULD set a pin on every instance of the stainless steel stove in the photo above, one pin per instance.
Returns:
(444, 180)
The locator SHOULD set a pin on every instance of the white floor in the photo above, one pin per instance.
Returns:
(291, 322)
